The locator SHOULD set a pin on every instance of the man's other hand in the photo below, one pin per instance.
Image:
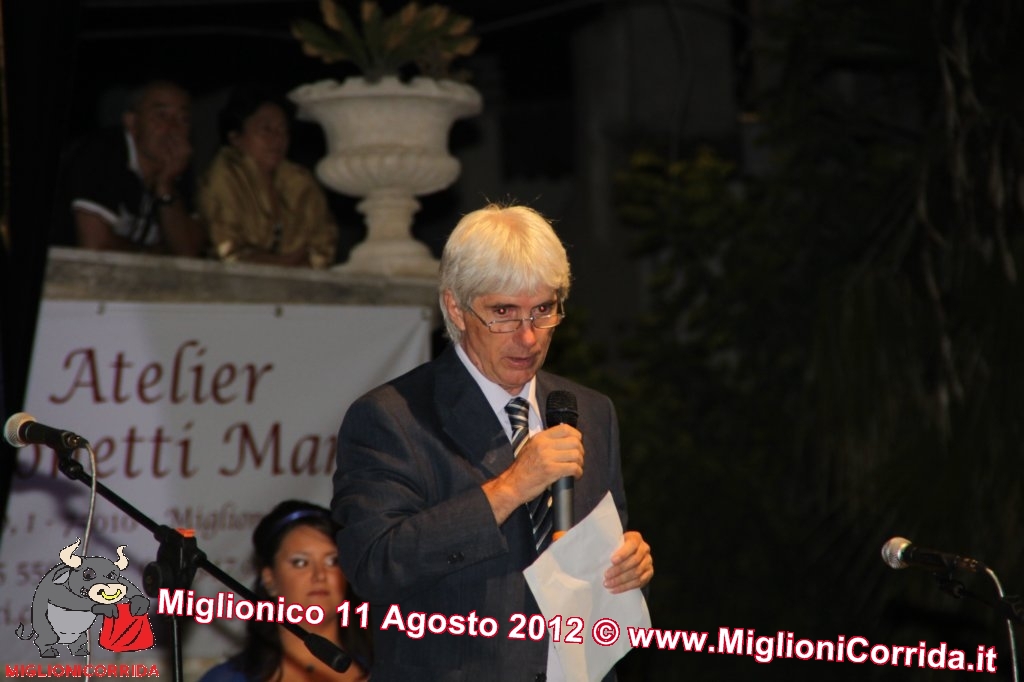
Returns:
(632, 564)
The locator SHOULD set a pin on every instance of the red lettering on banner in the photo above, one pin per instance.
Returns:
(246, 445)
(87, 365)
(220, 382)
(311, 454)
(145, 382)
(188, 379)
(119, 365)
(314, 455)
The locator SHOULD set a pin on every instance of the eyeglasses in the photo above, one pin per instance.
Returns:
(546, 320)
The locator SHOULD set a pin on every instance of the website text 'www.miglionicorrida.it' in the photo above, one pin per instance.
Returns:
(784, 645)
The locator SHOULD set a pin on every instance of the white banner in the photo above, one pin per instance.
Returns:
(201, 416)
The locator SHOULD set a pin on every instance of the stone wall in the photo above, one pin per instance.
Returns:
(78, 274)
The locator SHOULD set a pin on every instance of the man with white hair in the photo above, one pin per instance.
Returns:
(443, 476)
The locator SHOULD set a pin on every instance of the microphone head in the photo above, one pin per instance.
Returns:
(892, 552)
(561, 409)
(13, 427)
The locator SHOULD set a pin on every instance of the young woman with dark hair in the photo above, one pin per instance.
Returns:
(295, 557)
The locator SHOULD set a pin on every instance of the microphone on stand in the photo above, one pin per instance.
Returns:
(561, 409)
(22, 429)
(901, 553)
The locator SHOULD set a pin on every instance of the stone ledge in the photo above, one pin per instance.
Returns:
(79, 274)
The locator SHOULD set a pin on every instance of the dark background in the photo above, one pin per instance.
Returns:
(795, 229)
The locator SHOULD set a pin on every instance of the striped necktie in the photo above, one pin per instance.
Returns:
(540, 508)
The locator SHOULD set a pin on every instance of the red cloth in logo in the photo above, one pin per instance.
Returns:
(126, 632)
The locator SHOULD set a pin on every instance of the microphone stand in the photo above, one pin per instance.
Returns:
(178, 556)
(1008, 607)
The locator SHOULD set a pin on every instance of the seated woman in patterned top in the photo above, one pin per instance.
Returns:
(259, 206)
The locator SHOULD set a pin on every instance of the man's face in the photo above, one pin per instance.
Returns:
(509, 360)
(161, 121)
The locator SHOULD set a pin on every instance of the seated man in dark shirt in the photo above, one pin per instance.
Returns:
(124, 188)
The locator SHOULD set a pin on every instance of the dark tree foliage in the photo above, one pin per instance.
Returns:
(831, 355)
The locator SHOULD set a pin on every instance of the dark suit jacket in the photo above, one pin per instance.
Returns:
(418, 532)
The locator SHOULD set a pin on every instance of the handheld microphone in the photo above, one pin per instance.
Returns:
(900, 553)
(22, 429)
(561, 409)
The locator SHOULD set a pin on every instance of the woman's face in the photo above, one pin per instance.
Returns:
(306, 571)
(264, 137)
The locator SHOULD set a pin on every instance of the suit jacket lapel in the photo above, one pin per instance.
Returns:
(467, 418)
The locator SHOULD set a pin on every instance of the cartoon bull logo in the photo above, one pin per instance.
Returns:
(73, 593)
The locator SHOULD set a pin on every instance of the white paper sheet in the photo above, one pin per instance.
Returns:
(567, 580)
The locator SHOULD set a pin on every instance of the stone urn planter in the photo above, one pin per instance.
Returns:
(387, 143)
